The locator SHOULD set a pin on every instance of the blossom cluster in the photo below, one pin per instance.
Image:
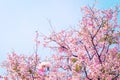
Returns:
(90, 52)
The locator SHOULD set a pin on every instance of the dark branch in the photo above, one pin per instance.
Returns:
(87, 52)
(86, 74)
(96, 51)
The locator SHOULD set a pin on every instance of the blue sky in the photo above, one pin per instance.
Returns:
(19, 19)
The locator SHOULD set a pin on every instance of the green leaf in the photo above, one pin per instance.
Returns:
(104, 23)
(114, 42)
(78, 68)
(74, 60)
(102, 39)
(109, 39)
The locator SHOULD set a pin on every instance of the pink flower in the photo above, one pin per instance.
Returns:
(42, 67)
(41, 71)
(5, 78)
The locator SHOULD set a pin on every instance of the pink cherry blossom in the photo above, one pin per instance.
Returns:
(90, 52)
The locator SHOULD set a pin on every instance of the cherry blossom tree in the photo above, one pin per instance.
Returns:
(89, 52)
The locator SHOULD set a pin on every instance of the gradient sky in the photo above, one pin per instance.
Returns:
(19, 19)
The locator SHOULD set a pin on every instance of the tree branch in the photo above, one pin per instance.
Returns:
(86, 74)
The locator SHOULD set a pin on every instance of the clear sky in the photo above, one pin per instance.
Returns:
(19, 19)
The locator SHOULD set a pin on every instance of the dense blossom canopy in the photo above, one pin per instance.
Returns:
(90, 52)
